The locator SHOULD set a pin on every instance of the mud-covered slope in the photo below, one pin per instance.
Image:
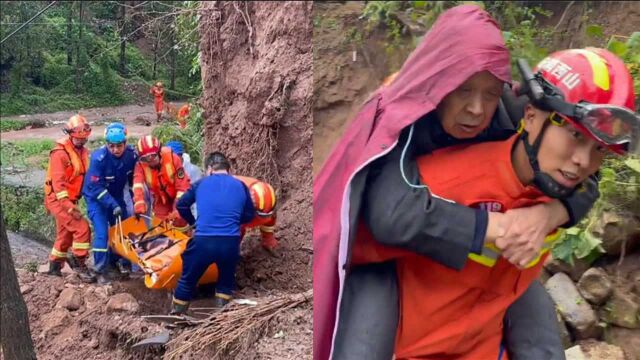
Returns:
(257, 93)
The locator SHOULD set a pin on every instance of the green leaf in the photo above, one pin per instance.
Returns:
(564, 250)
(633, 163)
(617, 47)
(586, 245)
(507, 35)
(419, 4)
(594, 31)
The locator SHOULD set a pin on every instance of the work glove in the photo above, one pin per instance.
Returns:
(117, 211)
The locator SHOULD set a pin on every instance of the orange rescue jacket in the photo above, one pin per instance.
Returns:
(445, 313)
(65, 175)
(167, 183)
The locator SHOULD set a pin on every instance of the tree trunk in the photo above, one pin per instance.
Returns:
(173, 55)
(156, 44)
(123, 38)
(14, 327)
(78, 46)
(69, 35)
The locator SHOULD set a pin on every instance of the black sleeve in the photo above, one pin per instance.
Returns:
(581, 201)
(413, 219)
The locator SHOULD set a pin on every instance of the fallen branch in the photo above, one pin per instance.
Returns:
(233, 330)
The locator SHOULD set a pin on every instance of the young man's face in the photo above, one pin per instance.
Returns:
(566, 154)
(467, 110)
(116, 149)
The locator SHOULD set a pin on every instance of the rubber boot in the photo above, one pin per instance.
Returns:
(179, 307)
(55, 268)
(221, 300)
(103, 279)
(125, 270)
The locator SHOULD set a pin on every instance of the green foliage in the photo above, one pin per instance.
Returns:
(619, 187)
(36, 57)
(192, 137)
(26, 154)
(10, 125)
(629, 52)
(24, 212)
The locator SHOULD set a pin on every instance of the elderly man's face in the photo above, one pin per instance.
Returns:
(467, 111)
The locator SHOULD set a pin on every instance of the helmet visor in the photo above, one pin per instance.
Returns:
(612, 125)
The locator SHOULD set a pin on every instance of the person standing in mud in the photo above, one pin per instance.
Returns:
(68, 162)
(161, 171)
(157, 90)
(224, 204)
(110, 170)
(363, 187)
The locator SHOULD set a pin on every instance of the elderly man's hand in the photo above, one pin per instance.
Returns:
(526, 230)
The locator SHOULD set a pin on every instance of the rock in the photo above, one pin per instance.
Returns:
(595, 286)
(575, 272)
(103, 292)
(25, 289)
(627, 339)
(69, 299)
(613, 229)
(598, 350)
(622, 310)
(575, 310)
(54, 320)
(575, 353)
(123, 302)
(43, 268)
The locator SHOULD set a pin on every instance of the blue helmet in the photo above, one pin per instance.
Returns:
(176, 146)
(115, 133)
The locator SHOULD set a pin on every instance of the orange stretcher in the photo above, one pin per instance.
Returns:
(156, 250)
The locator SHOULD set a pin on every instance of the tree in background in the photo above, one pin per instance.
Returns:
(14, 318)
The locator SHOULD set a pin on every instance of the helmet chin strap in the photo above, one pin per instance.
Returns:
(543, 181)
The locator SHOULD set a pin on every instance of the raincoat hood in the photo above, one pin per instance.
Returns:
(463, 41)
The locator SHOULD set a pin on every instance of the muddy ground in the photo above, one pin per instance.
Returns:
(94, 332)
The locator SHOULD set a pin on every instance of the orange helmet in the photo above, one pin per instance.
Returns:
(594, 76)
(148, 145)
(264, 198)
(77, 127)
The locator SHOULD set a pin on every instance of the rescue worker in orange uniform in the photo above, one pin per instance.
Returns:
(264, 200)
(161, 171)
(183, 114)
(575, 119)
(68, 162)
(157, 91)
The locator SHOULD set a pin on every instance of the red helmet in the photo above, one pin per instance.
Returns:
(148, 145)
(264, 197)
(77, 127)
(592, 75)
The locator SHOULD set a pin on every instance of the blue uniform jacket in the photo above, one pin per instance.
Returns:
(107, 176)
(223, 204)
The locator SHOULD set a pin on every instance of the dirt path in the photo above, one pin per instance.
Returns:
(132, 115)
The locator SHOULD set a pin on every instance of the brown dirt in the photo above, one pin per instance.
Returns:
(340, 84)
(258, 112)
(615, 17)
